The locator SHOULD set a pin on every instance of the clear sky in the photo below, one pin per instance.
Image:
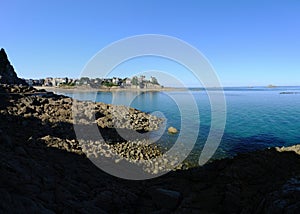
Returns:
(247, 42)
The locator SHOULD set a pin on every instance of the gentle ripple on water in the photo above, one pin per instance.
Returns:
(256, 118)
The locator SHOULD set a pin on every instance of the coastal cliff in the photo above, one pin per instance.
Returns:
(7, 72)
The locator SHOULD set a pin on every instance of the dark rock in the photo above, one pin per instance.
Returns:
(232, 200)
(91, 209)
(47, 197)
(7, 73)
(164, 198)
(20, 151)
(284, 200)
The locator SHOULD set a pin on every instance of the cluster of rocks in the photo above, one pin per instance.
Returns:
(111, 116)
(58, 108)
(69, 145)
(132, 150)
(45, 109)
(294, 148)
(148, 156)
(139, 152)
(19, 89)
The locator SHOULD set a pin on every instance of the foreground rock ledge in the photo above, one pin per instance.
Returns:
(42, 171)
(29, 102)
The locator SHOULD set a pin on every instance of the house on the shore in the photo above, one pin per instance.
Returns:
(116, 81)
(34, 82)
(48, 81)
(126, 82)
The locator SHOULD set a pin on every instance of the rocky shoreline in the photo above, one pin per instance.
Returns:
(45, 169)
(110, 120)
(48, 106)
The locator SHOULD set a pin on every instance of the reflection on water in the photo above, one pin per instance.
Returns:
(257, 117)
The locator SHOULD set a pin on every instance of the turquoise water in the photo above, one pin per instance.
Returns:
(257, 117)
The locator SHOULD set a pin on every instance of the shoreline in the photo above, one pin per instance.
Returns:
(82, 89)
(50, 170)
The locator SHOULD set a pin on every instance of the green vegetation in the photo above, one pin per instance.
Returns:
(134, 81)
(154, 81)
(84, 80)
(109, 84)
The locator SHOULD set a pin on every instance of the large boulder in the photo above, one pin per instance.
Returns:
(7, 72)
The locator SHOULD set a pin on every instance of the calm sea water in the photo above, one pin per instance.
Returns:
(257, 117)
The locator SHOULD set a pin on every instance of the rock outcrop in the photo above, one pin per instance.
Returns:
(29, 102)
(7, 72)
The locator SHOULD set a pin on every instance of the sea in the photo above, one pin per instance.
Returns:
(256, 117)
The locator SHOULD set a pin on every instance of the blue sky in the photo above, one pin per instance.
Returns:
(247, 42)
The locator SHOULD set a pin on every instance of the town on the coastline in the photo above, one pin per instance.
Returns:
(136, 82)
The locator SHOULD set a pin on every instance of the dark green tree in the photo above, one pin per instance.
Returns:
(134, 81)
